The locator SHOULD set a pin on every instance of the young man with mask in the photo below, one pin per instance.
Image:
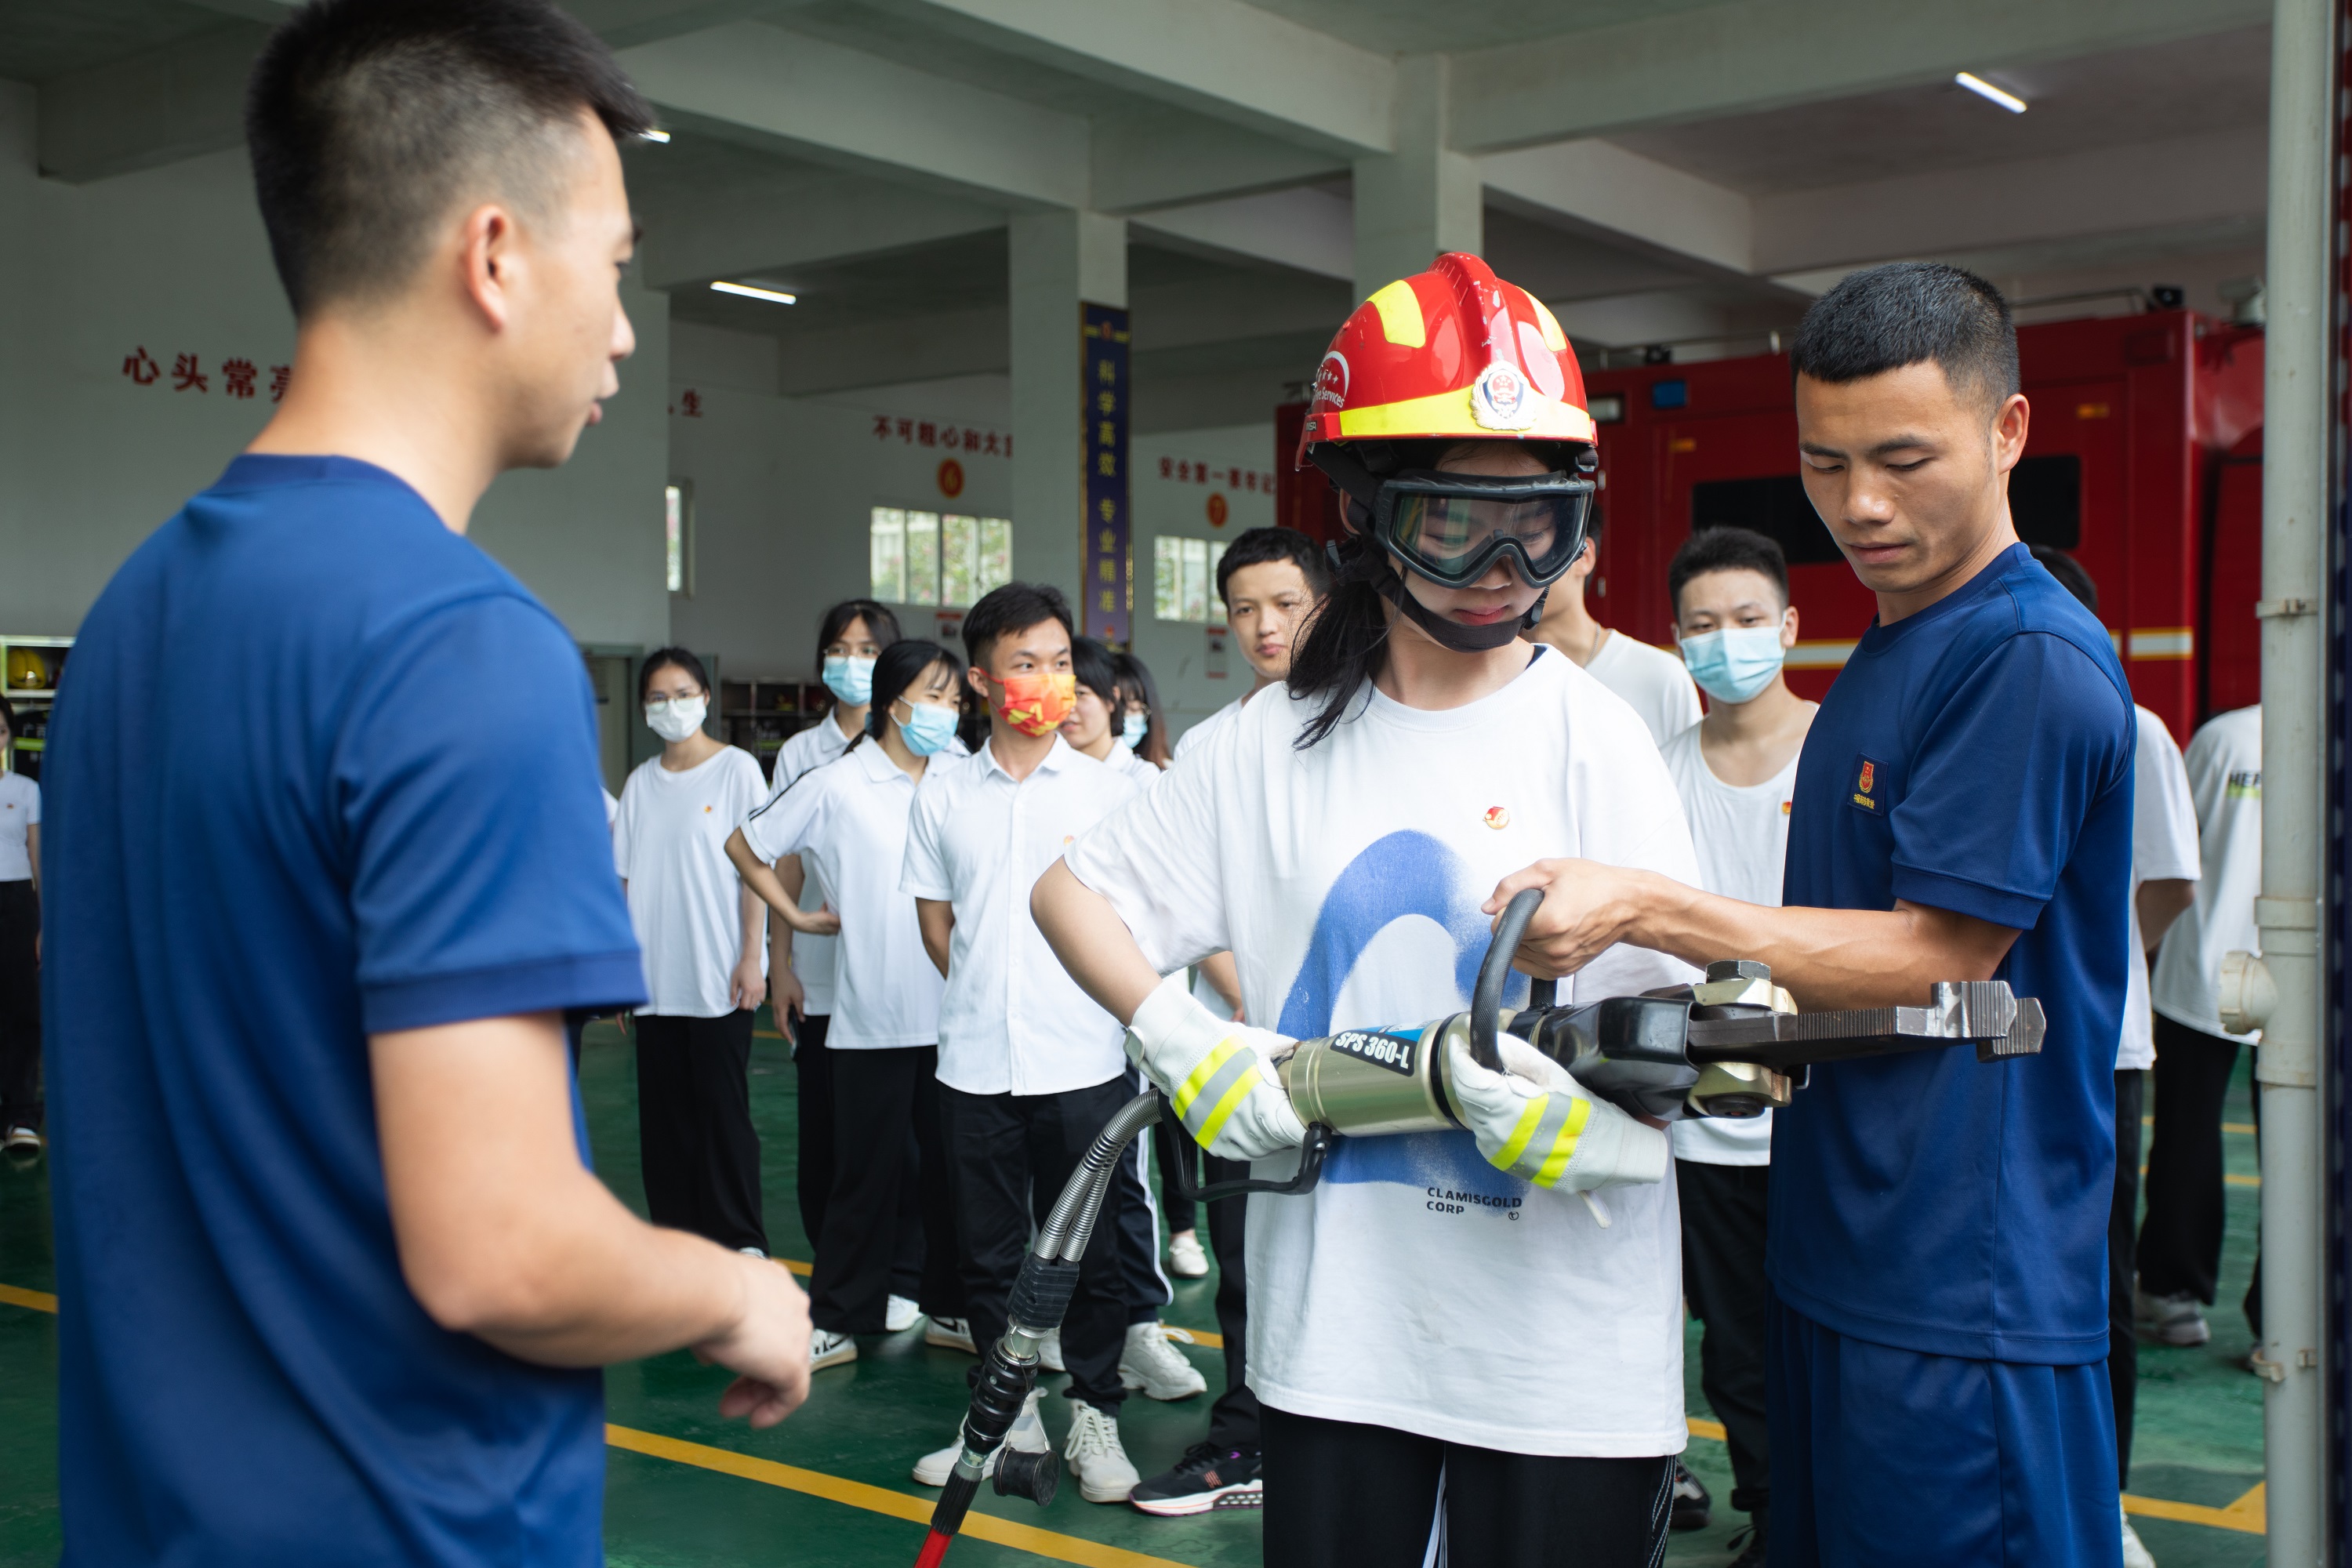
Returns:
(1657, 685)
(333, 1106)
(1963, 810)
(1736, 770)
(1030, 1067)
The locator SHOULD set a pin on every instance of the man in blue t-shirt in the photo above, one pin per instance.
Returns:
(1937, 1241)
(334, 1277)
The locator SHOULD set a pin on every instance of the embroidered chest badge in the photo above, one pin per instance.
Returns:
(1498, 818)
(1866, 786)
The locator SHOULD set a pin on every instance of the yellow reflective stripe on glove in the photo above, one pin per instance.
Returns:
(1212, 1092)
(1540, 1147)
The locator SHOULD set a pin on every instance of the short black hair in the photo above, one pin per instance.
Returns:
(1883, 318)
(1263, 546)
(2070, 574)
(368, 119)
(1016, 606)
(1091, 662)
(878, 618)
(662, 658)
(1724, 550)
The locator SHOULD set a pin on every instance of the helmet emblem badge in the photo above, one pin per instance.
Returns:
(1501, 399)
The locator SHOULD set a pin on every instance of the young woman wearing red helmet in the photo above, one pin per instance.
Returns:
(1454, 1336)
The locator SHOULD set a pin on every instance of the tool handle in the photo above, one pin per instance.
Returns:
(1487, 1000)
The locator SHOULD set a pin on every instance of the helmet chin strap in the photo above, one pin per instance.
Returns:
(1373, 565)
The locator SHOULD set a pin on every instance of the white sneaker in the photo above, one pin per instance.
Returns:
(829, 1348)
(951, 1334)
(1093, 1454)
(21, 1140)
(2135, 1555)
(900, 1315)
(1049, 1352)
(1151, 1364)
(1186, 1259)
(1028, 1435)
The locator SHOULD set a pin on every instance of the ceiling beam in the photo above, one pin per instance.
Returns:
(183, 101)
(1700, 64)
(794, 222)
(765, 87)
(1223, 58)
(1605, 189)
(1159, 158)
(2155, 186)
(1310, 230)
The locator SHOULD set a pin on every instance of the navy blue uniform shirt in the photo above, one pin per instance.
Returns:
(320, 768)
(1975, 757)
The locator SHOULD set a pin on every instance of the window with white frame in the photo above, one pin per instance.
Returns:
(677, 538)
(1184, 580)
(947, 559)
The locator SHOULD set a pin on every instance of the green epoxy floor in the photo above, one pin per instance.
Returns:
(2200, 1416)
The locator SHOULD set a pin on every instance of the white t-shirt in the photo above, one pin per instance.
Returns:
(1418, 1287)
(1199, 733)
(1011, 1020)
(1123, 761)
(20, 809)
(1652, 679)
(2225, 781)
(669, 842)
(813, 956)
(1741, 832)
(2164, 845)
(847, 822)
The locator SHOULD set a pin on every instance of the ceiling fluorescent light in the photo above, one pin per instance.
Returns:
(773, 296)
(1986, 91)
(652, 135)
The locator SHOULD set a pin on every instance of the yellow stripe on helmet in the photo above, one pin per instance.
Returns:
(1448, 413)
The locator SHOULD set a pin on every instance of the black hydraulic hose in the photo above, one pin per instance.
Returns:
(1486, 1001)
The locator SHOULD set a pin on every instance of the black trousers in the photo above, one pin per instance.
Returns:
(1010, 1155)
(1147, 1288)
(889, 1193)
(1339, 1495)
(701, 1156)
(2180, 1250)
(1234, 1419)
(1723, 1209)
(812, 1163)
(20, 1006)
(2123, 1344)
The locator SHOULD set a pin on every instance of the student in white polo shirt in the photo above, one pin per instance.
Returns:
(1148, 1362)
(1651, 678)
(1143, 727)
(851, 637)
(1736, 770)
(1030, 1067)
(887, 1252)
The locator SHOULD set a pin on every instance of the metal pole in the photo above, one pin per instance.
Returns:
(2297, 496)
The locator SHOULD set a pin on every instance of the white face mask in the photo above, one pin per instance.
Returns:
(675, 718)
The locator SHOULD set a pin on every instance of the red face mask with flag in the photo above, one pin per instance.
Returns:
(1037, 704)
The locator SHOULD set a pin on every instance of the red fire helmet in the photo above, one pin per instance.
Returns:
(1454, 351)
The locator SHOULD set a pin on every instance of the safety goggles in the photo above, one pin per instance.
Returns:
(1452, 527)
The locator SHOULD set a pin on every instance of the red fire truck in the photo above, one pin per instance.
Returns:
(2144, 461)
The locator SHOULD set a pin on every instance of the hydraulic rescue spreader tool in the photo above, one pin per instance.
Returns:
(1732, 1045)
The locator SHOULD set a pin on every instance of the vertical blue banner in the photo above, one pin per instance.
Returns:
(1108, 588)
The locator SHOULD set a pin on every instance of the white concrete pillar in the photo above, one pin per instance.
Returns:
(1421, 199)
(1059, 258)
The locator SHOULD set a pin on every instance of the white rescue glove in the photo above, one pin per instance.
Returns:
(1219, 1076)
(1536, 1122)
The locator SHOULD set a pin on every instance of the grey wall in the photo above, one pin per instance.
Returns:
(173, 260)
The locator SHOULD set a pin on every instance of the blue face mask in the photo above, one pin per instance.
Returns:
(1734, 664)
(1131, 729)
(927, 728)
(851, 679)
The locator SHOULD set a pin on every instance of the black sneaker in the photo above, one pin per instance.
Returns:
(1753, 1535)
(1206, 1478)
(1693, 1508)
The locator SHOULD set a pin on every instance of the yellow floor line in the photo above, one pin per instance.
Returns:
(1027, 1538)
(2247, 1128)
(2246, 1515)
